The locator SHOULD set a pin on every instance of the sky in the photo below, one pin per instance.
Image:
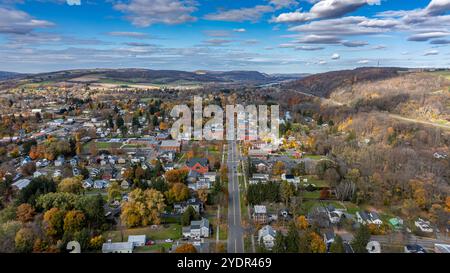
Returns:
(271, 36)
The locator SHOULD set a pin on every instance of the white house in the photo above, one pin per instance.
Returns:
(197, 229)
(22, 183)
(122, 247)
(266, 235)
(423, 225)
(211, 176)
(137, 240)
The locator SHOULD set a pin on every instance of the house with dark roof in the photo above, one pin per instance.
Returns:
(266, 236)
(197, 229)
(199, 165)
(195, 203)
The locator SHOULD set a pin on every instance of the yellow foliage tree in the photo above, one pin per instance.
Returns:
(317, 243)
(302, 223)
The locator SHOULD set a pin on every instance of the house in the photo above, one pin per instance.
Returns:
(38, 174)
(181, 207)
(199, 165)
(259, 214)
(197, 229)
(396, 222)
(137, 240)
(100, 184)
(366, 218)
(168, 167)
(290, 178)
(193, 176)
(59, 161)
(375, 218)
(167, 156)
(211, 176)
(266, 235)
(88, 183)
(170, 145)
(124, 184)
(319, 216)
(258, 153)
(22, 183)
(122, 247)
(423, 225)
(285, 214)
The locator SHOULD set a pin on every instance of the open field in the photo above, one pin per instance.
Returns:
(162, 232)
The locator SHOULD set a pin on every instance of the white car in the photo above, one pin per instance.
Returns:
(168, 241)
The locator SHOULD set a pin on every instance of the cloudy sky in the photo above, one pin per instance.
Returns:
(273, 36)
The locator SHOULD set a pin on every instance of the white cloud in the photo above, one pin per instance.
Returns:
(324, 9)
(420, 37)
(74, 2)
(363, 62)
(18, 22)
(239, 30)
(252, 14)
(431, 53)
(438, 7)
(143, 13)
(335, 56)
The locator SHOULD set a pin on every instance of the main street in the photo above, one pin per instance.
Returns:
(235, 231)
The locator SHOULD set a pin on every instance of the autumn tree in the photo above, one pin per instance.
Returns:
(177, 193)
(302, 223)
(142, 208)
(278, 168)
(317, 243)
(176, 176)
(114, 192)
(54, 222)
(202, 195)
(25, 213)
(24, 240)
(96, 242)
(74, 221)
(186, 248)
(71, 185)
(287, 191)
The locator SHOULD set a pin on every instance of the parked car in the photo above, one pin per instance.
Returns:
(149, 243)
(168, 240)
(414, 249)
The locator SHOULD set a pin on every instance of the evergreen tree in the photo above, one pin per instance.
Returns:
(280, 243)
(361, 239)
(292, 239)
(338, 245)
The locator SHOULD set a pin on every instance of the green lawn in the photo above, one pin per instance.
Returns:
(172, 231)
(315, 157)
(152, 248)
(308, 205)
(312, 179)
(311, 194)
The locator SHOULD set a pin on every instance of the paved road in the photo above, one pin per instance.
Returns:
(235, 232)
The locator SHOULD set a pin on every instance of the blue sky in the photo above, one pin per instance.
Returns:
(272, 36)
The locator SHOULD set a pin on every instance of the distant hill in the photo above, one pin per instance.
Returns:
(149, 76)
(4, 75)
(324, 84)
